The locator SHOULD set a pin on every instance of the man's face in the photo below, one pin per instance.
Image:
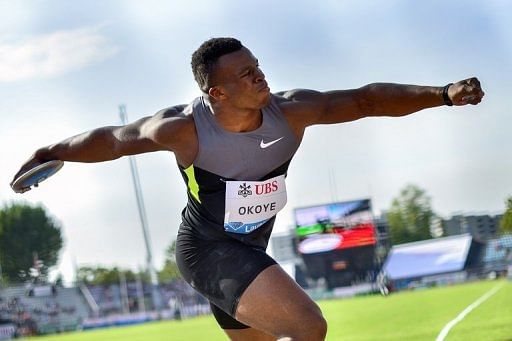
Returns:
(239, 78)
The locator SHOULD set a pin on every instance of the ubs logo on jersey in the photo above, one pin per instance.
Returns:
(266, 188)
(245, 190)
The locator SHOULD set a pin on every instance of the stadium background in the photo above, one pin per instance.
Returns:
(121, 52)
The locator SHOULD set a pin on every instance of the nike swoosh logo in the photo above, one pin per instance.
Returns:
(268, 144)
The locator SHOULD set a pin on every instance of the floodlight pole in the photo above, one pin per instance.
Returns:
(143, 220)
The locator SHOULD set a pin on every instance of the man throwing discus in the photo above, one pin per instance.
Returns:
(233, 146)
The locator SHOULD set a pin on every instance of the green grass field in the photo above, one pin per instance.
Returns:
(415, 315)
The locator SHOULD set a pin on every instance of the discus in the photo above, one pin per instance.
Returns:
(36, 175)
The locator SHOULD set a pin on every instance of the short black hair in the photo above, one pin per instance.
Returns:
(205, 57)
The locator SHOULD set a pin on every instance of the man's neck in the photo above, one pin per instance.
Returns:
(237, 120)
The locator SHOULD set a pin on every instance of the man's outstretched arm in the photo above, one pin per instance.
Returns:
(378, 99)
(154, 133)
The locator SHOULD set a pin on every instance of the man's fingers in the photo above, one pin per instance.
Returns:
(477, 88)
(23, 190)
(31, 163)
(467, 91)
(468, 98)
(471, 99)
(473, 81)
(473, 90)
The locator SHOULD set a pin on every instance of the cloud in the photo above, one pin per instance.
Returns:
(53, 54)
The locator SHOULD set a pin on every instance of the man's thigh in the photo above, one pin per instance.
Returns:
(220, 270)
(275, 304)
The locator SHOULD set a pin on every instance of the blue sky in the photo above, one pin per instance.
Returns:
(66, 66)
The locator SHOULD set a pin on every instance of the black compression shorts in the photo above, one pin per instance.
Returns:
(220, 270)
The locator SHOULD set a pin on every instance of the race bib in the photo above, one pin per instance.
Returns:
(249, 204)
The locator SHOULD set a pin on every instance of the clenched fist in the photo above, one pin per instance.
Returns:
(467, 91)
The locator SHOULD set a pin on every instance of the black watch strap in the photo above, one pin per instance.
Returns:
(446, 98)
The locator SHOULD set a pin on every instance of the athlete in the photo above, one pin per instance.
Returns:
(233, 146)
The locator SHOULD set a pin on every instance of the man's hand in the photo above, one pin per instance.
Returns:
(34, 161)
(465, 92)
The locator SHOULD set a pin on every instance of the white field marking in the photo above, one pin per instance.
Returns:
(466, 311)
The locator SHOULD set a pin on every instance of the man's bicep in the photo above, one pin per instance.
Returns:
(304, 107)
(147, 134)
(332, 107)
(135, 138)
(305, 95)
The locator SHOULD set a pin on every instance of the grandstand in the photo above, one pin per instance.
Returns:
(32, 310)
(42, 309)
(131, 303)
(498, 255)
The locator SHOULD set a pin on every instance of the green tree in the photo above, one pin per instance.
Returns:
(506, 220)
(100, 275)
(30, 242)
(410, 216)
(170, 270)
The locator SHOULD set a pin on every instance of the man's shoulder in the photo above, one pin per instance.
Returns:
(176, 121)
(298, 101)
(175, 111)
(180, 111)
(300, 107)
(174, 127)
(297, 95)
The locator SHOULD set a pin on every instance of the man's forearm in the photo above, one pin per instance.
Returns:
(93, 146)
(376, 99)
(388, 99)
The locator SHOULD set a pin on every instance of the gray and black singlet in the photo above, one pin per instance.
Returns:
(235, 189)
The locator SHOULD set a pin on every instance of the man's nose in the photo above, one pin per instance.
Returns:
(259, 76)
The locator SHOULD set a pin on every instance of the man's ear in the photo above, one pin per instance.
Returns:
(216, 93)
